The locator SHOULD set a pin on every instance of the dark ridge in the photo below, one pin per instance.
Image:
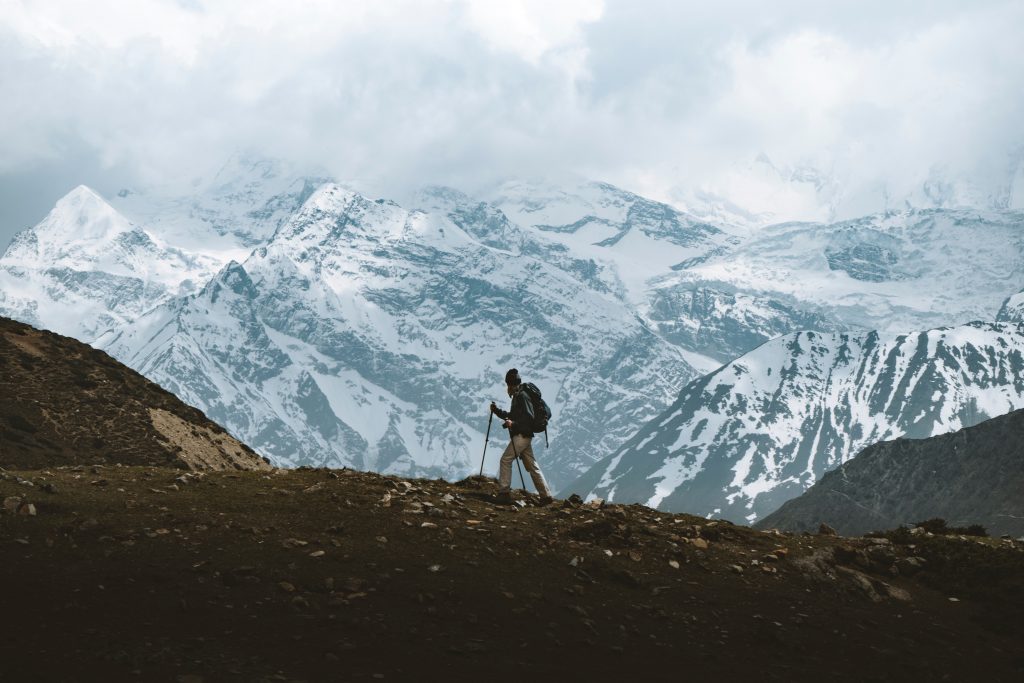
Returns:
(971, 477)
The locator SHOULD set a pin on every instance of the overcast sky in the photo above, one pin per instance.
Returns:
(653, 96)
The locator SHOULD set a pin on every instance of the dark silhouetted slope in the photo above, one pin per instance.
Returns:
(973, 476)
(63, 403)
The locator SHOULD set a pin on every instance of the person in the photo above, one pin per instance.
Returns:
(519, 423)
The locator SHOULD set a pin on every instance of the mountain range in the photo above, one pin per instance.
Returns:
(326, 327)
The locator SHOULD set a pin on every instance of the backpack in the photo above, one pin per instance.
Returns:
(541, 411)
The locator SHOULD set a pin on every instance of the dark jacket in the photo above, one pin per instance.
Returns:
(521, 414)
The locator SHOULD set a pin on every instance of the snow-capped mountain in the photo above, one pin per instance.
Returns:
(597, 221)
(324, 327)
(94, 264)
(762, 192)
(893, 272)
(367, 335)
(86, 268)
(742, 440)
(1012, 309)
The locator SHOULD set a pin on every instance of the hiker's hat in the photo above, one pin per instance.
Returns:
(512, 377)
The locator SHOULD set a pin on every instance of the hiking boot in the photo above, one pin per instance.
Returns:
(546, 500)
(503, 496)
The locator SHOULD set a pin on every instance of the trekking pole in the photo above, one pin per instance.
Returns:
(486, 439)
(512, 440)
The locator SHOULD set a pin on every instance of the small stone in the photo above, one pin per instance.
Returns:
(897, 593)
(635, 555)
(428, 525)
(673, 564)
(609, 553)
(699, 543)
(12, 503)
(434, 568)
(27, 509)
(737, 569)
(908, 566)
(382, 539)
(286, 586)
(954, 599)
(317, 553)
(294, 543)
(826, 530)
(575, 561)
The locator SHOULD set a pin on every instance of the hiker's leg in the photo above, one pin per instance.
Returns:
(526, 455)
(505, 467)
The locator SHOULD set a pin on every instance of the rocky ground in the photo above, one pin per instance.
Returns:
(149, 573)
(63, 402)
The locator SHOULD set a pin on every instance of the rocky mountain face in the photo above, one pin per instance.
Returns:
(65, 403)
(972, 476)
(371, 336)
(742, 440)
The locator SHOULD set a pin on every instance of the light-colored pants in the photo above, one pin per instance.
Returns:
(524, 448)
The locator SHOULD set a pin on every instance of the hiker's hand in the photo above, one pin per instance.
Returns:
(494, 407)
(507, 424)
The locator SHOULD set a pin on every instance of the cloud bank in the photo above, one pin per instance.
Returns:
(661, 97)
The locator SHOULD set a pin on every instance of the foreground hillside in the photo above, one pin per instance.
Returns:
(973, 476)
(142, 573)
(63, 402)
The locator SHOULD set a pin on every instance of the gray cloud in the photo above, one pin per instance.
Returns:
(656, 96)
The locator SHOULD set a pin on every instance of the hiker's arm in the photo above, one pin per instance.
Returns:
(503, 414)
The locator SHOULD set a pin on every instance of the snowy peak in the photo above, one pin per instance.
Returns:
(82, 223)
(1012, 309)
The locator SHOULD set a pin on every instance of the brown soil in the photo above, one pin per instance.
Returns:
(63, 402)
(149, 574)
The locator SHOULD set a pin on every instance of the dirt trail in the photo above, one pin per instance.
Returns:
(146, 573)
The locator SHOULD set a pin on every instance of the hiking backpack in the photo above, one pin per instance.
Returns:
(541, 411)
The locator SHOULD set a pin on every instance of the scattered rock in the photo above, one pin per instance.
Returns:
(286, 586)
(699, 543)
(909, 566)
(826, 530)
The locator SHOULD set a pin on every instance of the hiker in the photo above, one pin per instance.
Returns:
(519, 422)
